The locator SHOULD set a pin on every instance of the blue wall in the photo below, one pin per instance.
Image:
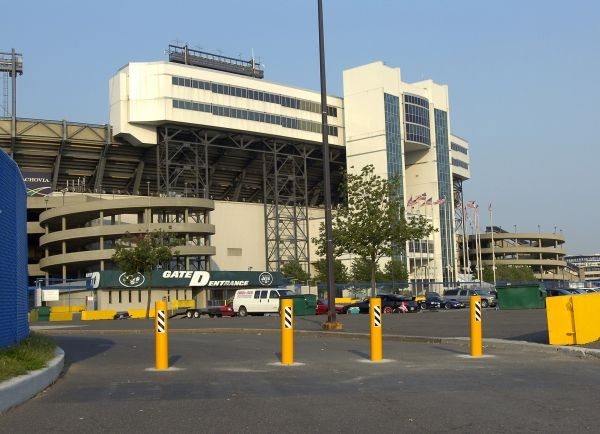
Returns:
(14, 326)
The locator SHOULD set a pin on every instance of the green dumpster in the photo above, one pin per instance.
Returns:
(43, 313)
(521, 296)
(304, 304)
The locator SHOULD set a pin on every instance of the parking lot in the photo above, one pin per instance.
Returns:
(225, 376)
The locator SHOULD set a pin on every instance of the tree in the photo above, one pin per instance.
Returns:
(395, 271)
(340, 271)
(142, 253)
(506, 273)
(361, 270)
(294, 271)
(372, 223)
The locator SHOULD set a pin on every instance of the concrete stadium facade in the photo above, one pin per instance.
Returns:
(233, 164)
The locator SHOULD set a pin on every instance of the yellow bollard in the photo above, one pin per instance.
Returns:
(476, 346)
(375, 316)
(287, 331)
(162, 335)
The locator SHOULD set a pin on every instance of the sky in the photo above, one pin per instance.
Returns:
(523, 77)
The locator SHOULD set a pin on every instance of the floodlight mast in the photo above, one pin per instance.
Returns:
(12, 63)
(331, 313)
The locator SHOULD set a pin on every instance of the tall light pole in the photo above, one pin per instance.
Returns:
(331, 323)
(12, 63)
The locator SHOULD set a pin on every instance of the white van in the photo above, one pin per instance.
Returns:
(258, 301)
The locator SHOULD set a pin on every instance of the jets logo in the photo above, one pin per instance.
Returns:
(265, 279)
(132, 280)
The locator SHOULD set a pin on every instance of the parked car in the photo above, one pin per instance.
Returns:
(453, 304)
(437, 302)
(431, 302)
(557, 291)
(390, 303)
(122, 315)
(323, 307)
(463, 295)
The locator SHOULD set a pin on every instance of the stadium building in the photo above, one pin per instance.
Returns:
(204, 147)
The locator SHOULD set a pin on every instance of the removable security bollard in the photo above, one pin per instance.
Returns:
(162, 335)
(287, 331)
(376, 335)
(476, 345)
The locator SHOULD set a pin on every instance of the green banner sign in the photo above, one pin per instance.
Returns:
(184, 279)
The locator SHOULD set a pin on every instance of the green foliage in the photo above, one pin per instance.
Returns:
(372, 224)
(33, 353)
(340, 271)
(395, 271)
(293, 270)
(142, 253)
(506, 273)
(361, 270)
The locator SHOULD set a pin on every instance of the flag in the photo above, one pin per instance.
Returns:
(440, 201)
(471, 204)
(429, 201)
(422, 196)
(411, 202)
(490, 207)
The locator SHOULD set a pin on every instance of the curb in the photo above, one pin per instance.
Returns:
(24, 387)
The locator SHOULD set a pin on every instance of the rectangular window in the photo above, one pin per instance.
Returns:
(110, 297)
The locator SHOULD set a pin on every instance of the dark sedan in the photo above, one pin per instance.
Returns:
(437, 302)
(390, 303)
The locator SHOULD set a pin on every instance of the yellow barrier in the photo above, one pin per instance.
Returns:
(140, 313)
(345, 300)
(60, 316)
(573, 320)
(67, 308)
(87, 315)
(182, 304)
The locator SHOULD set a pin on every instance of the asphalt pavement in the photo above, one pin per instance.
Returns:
(225, 376)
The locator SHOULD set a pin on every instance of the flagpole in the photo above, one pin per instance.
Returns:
(428, 236)
(493, 252)
(465, 245)
(449, 266)
(478, 243)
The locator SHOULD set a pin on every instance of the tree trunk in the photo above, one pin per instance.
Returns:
(148, 303)
(373, 278)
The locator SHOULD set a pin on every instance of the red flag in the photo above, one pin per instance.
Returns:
(429, 201)
(471, 204)
(411, 202)
(440, 201)
(422, 196)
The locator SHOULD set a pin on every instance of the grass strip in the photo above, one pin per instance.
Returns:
(32, 353)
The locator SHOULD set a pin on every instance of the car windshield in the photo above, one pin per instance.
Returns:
(481, 292)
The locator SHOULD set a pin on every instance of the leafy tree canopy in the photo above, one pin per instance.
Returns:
(340, 271)
(372, 224)
(293, 270)
(142, 253)
(506, 273)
